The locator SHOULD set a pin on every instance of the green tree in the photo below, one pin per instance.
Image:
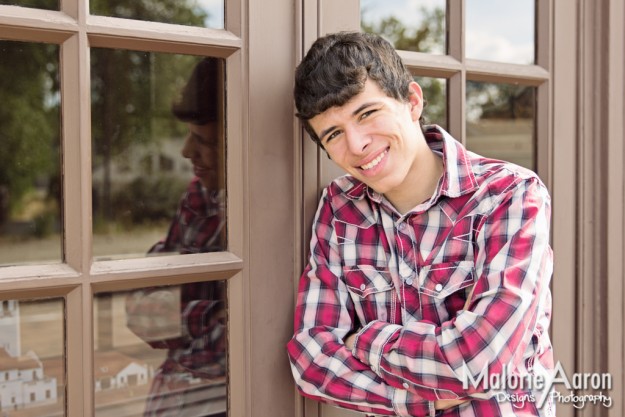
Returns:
(29, 120)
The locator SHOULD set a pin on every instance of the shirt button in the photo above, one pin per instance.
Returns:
(405, 385)
(362, 287)
(402, 226)
(408, 281)
(438, 287)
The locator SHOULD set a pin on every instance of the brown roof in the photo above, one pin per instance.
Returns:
(8, 362)
(107, 364)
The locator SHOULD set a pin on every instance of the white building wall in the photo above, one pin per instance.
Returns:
(10, 327)
(11, 395)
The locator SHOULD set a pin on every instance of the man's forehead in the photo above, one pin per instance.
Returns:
(371, 93)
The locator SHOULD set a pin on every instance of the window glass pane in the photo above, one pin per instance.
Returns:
(500, 31)
(162, 351)
(32, 360)
(203, 13)
(38, 4)
(435, 95)
(158, 154)
(500, 122)
(408, 25)
(30, 177)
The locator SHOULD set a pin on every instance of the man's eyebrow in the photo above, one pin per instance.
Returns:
(325, 132)
(354, 113)
(364, 106)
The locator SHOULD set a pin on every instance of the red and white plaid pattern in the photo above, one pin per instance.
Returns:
(401, 282)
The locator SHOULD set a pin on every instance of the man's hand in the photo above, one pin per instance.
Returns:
(438, 404)
(445, 404)
(154, 315)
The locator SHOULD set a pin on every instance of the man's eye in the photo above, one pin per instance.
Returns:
(367, 114)
(333, 135)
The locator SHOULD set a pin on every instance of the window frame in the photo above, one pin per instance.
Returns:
(78, 277)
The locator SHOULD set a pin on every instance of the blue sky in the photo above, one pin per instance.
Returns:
(215, 9)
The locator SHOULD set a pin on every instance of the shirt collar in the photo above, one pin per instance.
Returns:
(458, 177)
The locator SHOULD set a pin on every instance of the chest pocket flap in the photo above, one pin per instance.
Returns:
(441, 280)
(364, 280)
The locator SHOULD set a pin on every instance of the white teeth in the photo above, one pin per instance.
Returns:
(374, 162)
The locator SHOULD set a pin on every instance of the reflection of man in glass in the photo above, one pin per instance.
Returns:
(199, 223)
(189, 320)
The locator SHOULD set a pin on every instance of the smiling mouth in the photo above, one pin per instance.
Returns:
(200, 170)
(375, 162)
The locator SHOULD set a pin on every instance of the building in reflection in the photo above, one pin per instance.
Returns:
(22, 379)
(114, 370)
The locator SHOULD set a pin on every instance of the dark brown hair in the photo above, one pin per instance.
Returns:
(199, 101)
(336, 68)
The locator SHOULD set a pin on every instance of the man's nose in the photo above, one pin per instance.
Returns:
(357, 140)
(188, 148)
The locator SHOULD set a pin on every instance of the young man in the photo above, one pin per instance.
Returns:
(430, 265)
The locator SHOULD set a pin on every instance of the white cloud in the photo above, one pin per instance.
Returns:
(489, 47)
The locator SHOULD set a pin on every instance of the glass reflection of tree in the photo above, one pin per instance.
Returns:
(500, 121)
(425, 38)
(184, 12)
(29, 127)
(38, 4)
(127, 103)
(500, 101)
(131, 97)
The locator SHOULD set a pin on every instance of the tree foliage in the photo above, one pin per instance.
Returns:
(131, 96)
(29, 119)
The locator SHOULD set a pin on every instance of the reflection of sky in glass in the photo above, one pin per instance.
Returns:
(496, 30)
(410, 13)
(500, 31)
(215, 11)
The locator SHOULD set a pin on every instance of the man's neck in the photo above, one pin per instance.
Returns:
(420, 183)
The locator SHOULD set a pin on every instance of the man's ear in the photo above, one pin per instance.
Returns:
(416, 100)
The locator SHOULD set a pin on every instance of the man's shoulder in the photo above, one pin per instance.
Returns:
(497, 177)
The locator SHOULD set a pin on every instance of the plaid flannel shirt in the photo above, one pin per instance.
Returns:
(198, 224)
(199, 348)
(400, 282)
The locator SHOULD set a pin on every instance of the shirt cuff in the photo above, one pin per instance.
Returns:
(406, 404)
(370, 341)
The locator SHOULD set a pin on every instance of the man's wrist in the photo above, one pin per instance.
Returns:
(350, 339)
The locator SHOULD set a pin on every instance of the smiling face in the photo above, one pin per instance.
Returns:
(378, 140)
(202, 147)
